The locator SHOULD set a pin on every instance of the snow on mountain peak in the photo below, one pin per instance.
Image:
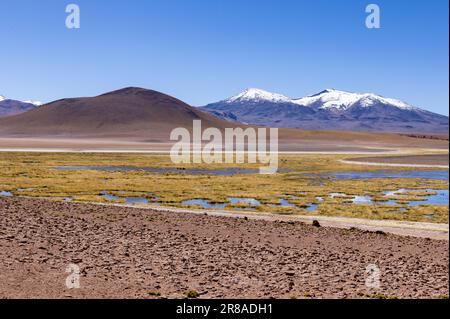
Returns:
(35, 103)
(342, 100)
(327, 99)
(258, 95)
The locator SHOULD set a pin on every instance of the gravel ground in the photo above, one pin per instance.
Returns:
(139, 253)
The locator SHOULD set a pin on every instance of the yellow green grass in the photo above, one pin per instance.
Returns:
(37, 171)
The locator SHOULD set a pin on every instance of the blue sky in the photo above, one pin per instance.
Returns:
(202, 51)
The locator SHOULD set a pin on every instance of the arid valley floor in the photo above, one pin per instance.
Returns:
(129, 253)
(119, 217)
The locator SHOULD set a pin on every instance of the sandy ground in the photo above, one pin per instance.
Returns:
(129, 252)
(347, 142)
(429, 160)
(393, 164)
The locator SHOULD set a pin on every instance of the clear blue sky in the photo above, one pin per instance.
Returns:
(202, 51)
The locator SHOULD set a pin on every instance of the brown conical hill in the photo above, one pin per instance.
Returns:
(129, 112)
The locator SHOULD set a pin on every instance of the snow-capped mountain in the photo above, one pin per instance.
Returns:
(257, 96)
(255, 106)
(329, 109)
(9, 107)
(341, 100)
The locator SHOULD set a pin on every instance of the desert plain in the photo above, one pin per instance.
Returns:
(139, 226)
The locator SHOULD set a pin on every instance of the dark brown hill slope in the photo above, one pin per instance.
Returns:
(126, 112)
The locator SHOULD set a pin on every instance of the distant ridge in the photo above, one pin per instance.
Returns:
(9, 107)
(329, 109)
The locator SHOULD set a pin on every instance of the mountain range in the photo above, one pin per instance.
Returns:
(10, 107)
(328, 110)
(151, 115)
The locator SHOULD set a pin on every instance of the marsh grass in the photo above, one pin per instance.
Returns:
(36, 173)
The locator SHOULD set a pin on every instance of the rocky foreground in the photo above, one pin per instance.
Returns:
(139, 253)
